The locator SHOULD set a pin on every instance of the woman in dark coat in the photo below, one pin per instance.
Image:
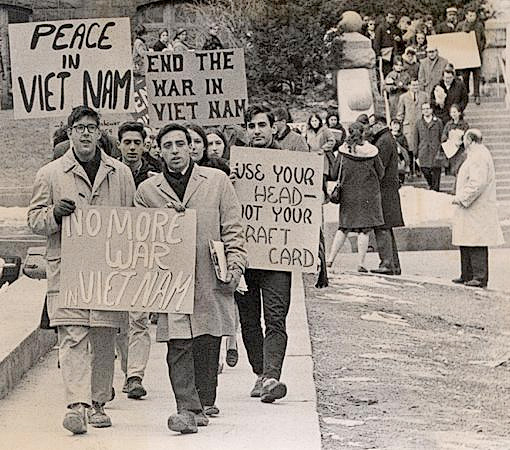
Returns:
(360, 200)
(457, 122)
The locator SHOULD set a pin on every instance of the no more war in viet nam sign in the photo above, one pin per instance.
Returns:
(59, 65)
(280, 193)
(206, 87)
(128, 259)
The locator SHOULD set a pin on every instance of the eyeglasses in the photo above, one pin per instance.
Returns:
(91, 127)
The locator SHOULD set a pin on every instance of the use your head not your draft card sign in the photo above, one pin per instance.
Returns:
(128, 259)
(280, 193)
(59, 65)
(206, 87)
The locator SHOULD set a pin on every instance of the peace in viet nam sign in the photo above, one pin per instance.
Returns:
(280, 193)
(128, 259)
(206, 87)
(62, 64)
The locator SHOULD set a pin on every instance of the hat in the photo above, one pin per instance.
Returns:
(451, 9)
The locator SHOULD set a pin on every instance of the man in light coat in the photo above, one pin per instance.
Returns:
(431, 70)
(194, 340)
(475, 224)
(408, 113)
(83, 176)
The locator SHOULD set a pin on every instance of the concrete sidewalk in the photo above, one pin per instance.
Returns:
(31, 415)
(438, 266)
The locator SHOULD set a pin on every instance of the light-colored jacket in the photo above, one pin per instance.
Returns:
(66, 178)
(476, 223)
(431, 73)
(408, 113)
(211, 194)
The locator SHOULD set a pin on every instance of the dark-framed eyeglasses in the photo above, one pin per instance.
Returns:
(91, 128)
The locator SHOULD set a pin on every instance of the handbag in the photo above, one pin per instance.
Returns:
(336, 194)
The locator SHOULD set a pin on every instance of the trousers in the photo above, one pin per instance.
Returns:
(387, 249)
(134, 344)
(268, 290)
(476, 79)
(474, 264)
(433, 177)
(87, 357)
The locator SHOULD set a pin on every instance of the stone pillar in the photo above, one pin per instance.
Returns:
(5, 81)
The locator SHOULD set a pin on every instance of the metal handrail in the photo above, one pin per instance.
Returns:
(502, 67)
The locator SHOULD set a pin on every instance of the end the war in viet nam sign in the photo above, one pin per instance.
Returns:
(280, 193)
(59, 65)
(128, 259)
(206, 87)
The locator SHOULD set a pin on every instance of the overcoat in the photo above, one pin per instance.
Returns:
(475, 222)
(66, 178)
(408, 113)
(431, 73)
(389, 184)
(360, 200)
(211, 194)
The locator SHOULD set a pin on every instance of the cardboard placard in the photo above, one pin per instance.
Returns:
(206, 87)
(62, 64)
(281, 200)
(128, 259)
(460, 48)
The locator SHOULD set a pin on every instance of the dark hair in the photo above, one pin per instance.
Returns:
(253, 110)
(380, 119)
(398, 60)
(356, 136)
(60, 135)
(200, 131)
(449, 70)
(179, 32)
(310, 121)
(332, 114)
(396, 121)
(363, 119)
(172, 127)
(471, 9)
(221, 135)
(281, 113)
(82, 111)
(163, 30)
(456, 105)
(140, 30)
(131, 126)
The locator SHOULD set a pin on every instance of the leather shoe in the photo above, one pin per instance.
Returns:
(458, 280)
(474, 283)
(183, 422)
(383, 271)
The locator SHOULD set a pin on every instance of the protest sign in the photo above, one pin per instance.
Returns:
(59, 65)
(280, 193)
(141, 106)
(298, 127)
(206, 87)
(128, 259)
(460, 49)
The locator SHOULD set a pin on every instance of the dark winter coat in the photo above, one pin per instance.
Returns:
(457, 94)
(212, 43)
(428, 135)
(385, 37)
(360, 200)
(389, 184)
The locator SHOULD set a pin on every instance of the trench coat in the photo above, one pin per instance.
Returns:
(66, 178)
(475, 221)
(211, 194)
(389, 183)
(408, 113)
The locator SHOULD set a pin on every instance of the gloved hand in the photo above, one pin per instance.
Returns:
(63, 207)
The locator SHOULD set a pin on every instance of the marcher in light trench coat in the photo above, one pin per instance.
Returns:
(475, 224)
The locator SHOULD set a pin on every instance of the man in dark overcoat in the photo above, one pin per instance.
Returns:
(390, 199)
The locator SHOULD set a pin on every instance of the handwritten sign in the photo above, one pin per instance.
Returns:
(281, 198)
(207, 87)
(61, 64)
(128, 259)
(460, 49)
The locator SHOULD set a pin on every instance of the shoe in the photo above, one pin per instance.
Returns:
(383, 271)
(477, 100)
(112, 396)
(125, 388)
(232, 357)
(201, 419)
(97, 417)
(257, 389)
(135, 389)
(75, 419)
(183, 422)
(474, 283)
(272, 390)
(397, 272)
(211, 410)
(458, 280)
(361, 269)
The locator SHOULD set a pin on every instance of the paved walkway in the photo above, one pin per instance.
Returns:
(31, 416)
